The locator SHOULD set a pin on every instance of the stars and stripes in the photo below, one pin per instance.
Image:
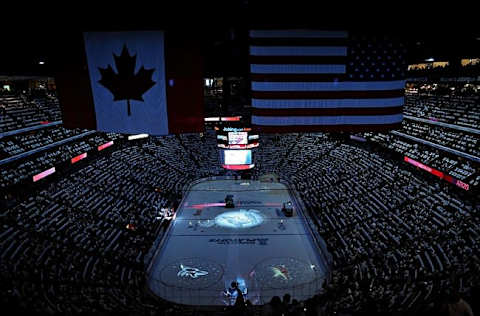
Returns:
(306, 80)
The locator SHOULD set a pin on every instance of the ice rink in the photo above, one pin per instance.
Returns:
(208, 246)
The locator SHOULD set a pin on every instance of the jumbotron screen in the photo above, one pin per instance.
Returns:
(237, 138)
(238, 157)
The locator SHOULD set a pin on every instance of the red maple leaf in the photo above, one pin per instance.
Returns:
(126, 85)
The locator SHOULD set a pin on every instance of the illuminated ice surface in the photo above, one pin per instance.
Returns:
(239, 219)
(208, 246)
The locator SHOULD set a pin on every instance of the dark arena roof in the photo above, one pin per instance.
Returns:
(233, 216)
(41, 33)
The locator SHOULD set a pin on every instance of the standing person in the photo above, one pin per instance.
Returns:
(239, 308)
(286, 302)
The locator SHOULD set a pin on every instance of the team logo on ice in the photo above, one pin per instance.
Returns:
(190, 272)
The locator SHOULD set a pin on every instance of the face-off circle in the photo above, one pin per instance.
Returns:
(239, 219)
(277, 273)
(191, 273)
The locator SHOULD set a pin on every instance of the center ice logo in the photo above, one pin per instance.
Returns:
(239, 219)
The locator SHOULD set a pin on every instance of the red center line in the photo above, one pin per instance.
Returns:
(202, 206)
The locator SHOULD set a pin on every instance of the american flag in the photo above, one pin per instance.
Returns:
(311, 80)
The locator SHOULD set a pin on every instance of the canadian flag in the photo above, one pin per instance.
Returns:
(133, 82)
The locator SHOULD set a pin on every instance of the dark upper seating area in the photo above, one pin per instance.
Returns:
(20, 113)
(24, 142)
(441, 131)
(20, 170)
(451, 109)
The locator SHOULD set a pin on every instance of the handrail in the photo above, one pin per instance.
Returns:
(452, 126)
(43, 148)
(28, 129)
(428, 143)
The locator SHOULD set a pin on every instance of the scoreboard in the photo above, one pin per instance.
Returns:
(237, 143)
(236, 138)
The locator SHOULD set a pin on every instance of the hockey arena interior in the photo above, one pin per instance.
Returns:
(237, 219)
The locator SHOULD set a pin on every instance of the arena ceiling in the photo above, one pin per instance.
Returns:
(42, 34)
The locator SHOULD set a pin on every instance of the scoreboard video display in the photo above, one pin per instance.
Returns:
(238, 157)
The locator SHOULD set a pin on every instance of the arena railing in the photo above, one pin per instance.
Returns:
(311, 227)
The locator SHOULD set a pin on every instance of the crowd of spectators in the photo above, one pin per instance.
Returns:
(22, 170)
(395, 238)
(80, 242)
(17, 111)
(87, 234)
(23, 142)
(440, 131)
(462, 169)
(449, 108)
(456, 139)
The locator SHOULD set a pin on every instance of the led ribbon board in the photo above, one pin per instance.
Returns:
(43, 174)
(78, 158)
(437, 173)
(102, 147)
